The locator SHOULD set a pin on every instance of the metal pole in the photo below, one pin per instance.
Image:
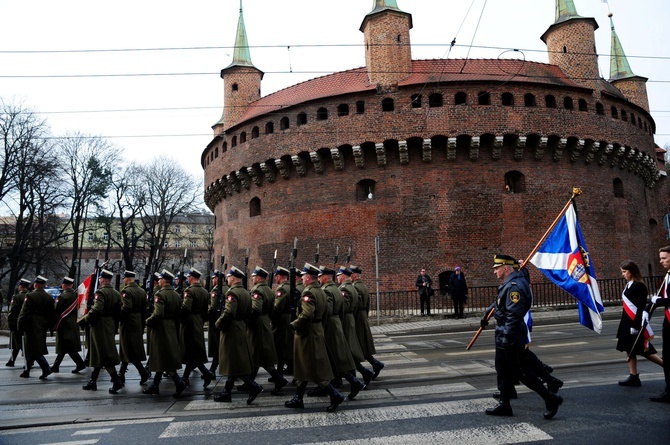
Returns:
(377, 274)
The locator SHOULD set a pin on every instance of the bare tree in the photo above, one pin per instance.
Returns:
(88, 173)
(170, 192)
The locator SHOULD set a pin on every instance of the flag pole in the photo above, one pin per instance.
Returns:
(575, 192)
(644, 325)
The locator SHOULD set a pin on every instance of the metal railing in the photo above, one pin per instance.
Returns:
(404, 303)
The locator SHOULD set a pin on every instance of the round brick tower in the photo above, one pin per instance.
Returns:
(445, 170)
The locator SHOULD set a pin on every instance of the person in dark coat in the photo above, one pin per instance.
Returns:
(34, 319)
(459, 291)
(259, 330)
(634, 299)
(68, 339)
(234, 350)
(310, 359)
(131, 329)
(362, 324)
(192, 328)
(155, 287)
(424, 285)
(164, 355)
(16, 337)
(216, 302)
(281, 318)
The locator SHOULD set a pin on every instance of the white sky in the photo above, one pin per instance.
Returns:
(183, 91)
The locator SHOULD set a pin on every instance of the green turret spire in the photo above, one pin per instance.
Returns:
(380, 5)
(619, 67)
(565, 9)
(241, 54)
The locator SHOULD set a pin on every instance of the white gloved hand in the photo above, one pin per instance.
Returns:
(645, 317)
(633, 331)
(655, 299)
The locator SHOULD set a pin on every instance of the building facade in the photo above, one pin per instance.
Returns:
(446, 161)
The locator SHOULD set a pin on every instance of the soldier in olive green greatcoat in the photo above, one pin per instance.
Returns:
(68, 339)
(34, 319)
(192, 328)
(310, 358)
(216, 302)
(155, 287)
(281, 318)
(234, 350)
(338, 349)
(13, 318)
(362, 324)
(259, 330)
(102, 318)
(131, 328)
(351, 301)
(164, 355)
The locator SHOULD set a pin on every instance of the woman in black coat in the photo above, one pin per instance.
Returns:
(634, 298)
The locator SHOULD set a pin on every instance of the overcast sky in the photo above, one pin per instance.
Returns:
(145, 73)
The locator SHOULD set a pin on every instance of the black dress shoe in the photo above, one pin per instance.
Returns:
(223, 397)
(376, 369)
(55, 369)
(25, 374)
(10, 363)
(632, 380)
(207, 379)
(180, 386)
(253, 392)
(153, 389)
(552, 406)
(78, 368)
(501, 409)
(278, 387)
(513, 395)
(46, 374)
(116, 386)
(663, 398)
(295, 402)
(335, 401)
(90, 386)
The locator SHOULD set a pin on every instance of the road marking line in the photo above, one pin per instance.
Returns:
(99, 431)
(478, 351)
(560, 345)
(74, 442)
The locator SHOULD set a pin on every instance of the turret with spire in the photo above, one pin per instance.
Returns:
(621, 76)
(241, 81)
(388, 55)
(571, 44)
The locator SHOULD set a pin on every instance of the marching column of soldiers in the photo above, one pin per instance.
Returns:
(315, 331)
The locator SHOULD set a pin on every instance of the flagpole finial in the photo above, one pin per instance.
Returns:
(576, 191)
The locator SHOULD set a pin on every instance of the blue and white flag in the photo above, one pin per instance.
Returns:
(564, 259)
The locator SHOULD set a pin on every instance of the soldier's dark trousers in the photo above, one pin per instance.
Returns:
(144, 374)
(76, 358)
(41, 361)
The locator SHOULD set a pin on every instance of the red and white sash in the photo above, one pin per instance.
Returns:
(631, 310)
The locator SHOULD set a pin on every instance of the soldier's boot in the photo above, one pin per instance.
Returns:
(207, 377)
(56, 364)
(254, 391)
(26, 373)
(153, 389)
(554, 384)
(179, 384)
(296, 401)
(12, 359)
(225, 395)
(212, 368)
(92, 385)
(122, 372)
(632, 380)
(336, 398)
(356, 385)
(552, 402)
(366, 373)
(10, 363)
(279, 380)
(377, 366)
(337, 382)
(503, 408)
(46, 370)
(116, 383)
(79, 362)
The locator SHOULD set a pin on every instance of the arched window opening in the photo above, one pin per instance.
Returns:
(243, 137)
(508, 99)
(284, 123)
(216, 152)
(583, 106)
(435, 100)
(484, 98)
(365, 190)
(301, 119)
(600, 110)
(254, 132)
(233, 142)
(234, 87)
(624, 116)
(269, 128)
(360, 107)
(567, 103)
(615, 113)
(321, 114)
(617, 186)
(529, 100)
(632, 119)
(416, 101)
(515, 182)
(387, 104)
(550, 101)
(460, 98)
(254, 207)
(343, 110)
(224, 147)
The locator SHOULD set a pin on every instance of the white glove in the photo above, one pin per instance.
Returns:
(655, 299)
(633, 331)
(645, 317)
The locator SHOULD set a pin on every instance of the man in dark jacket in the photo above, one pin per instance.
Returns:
(34, 319)
(423, 285)
(131, 330)
(68, 340)
(16, 341)
(459, 291)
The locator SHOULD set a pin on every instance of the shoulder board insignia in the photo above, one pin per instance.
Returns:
(230, 298)
(306, 299)
(514, 297)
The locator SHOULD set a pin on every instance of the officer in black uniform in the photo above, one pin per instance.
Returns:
(513, 302)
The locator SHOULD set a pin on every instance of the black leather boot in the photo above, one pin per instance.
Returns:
(296, 401)
(56, 364)
(179, 384)
(552, 403)
(356, 385)
(632, 380)
(336, 398)
(116, 384)
(208, 377)
(377, 366)
(366, 373)
(280, 382)
(225, 395)
(90, 386)
(501, 409)
(254, 391)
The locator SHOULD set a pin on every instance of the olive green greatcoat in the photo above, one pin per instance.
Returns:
(34, 319)
(336, 342)
(362, 323)
(192, 327)
(131, 329)
(213, 312)
(281, 319)
(348, 322)
(310, 357)
(102, 318)
(234, 349)
(13, 318)
(259, 330)
(68, 339)
(164, 353)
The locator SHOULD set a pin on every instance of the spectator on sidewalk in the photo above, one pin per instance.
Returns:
(424, 286)
(459, 291)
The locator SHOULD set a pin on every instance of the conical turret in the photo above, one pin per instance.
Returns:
(622, 76)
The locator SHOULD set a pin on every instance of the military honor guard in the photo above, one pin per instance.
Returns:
(214, 310)
(34, 321)
(234, 349)
(511, 305)
(193, 313)
(65, 326)
(281, 318)
(259, 330)
(362, 324)
(155, 287)
(15, 336)
(310, 359)
(131, 329)
(351, 300)
(164, 355)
